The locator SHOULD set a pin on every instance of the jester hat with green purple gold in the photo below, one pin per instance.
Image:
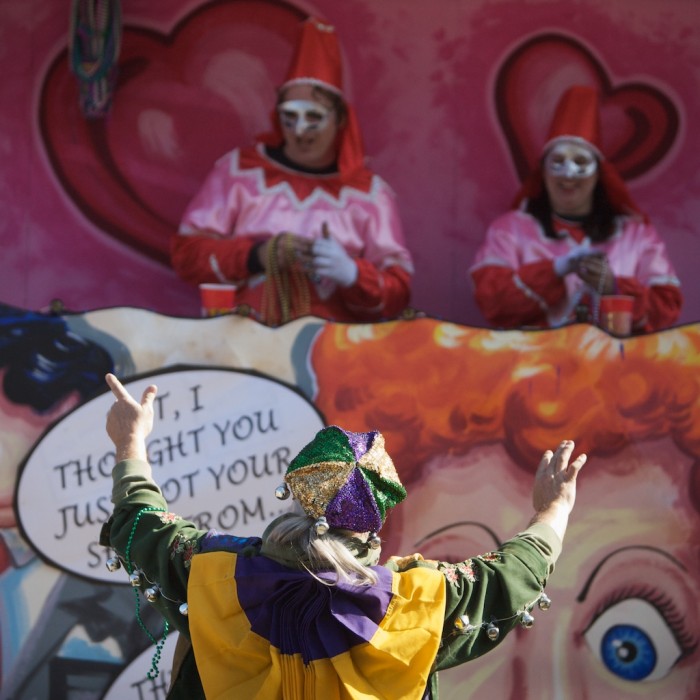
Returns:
(347, 478)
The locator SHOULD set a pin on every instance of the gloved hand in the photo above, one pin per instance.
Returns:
(331, 260)
(565, 264)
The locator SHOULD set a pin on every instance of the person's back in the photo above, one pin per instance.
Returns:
(305, 611)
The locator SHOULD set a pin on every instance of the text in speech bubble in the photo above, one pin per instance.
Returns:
(221, 443)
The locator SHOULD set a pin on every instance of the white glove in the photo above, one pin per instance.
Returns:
(332, 261)
(565, 264)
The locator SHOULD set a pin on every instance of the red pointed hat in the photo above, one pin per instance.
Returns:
(317, 58)
(317, 61)
(577, 119)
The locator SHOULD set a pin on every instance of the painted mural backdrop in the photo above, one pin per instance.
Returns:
(466, 414)
(454, 99)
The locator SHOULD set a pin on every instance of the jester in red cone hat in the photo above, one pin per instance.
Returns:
(574, 237)
(298, 221)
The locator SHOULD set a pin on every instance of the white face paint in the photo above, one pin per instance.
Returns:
(301, 116)
(570, 160)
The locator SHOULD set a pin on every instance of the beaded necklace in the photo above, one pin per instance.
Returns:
(135, 577)
(572, 226)
(599, 291)
(286, 292)
(95, 41)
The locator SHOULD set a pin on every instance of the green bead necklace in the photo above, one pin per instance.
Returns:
(153, 671)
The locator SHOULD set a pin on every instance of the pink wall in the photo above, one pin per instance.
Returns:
(424, 79)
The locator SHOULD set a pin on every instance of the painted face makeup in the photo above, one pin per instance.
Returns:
(302, 116)
(570, 160)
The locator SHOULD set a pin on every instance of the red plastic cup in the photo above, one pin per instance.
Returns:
(217, 299)
(615, 314)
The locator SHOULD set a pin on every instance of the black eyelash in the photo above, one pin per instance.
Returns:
(663, 604)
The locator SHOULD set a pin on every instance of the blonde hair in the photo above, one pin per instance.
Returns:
(332, 551)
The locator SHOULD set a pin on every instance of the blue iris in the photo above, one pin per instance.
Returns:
(628, 652)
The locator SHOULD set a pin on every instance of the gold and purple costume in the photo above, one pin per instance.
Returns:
(262, 627)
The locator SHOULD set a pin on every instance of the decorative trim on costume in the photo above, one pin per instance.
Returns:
(529, 293)
(313, 81)
(153, 593)
(257, 175)
(452, 571)
(661, 280)
(463, 625)
(184, 547)
(213, 264)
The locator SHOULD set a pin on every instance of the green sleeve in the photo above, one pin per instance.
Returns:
(495, 587)
(159, 543)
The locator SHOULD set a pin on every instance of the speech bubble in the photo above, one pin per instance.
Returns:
(220, 446)
(133, 682)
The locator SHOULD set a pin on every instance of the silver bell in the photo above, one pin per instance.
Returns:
(463, 625)
(152, 594)
(545, 602)
(321, 526)
(493, 632)
(135, 578)
(527, 620)
(113, 564)
(184, 610)
(282, 492)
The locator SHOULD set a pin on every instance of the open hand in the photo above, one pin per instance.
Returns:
(332, 261)
(555, 480)
(570, 262)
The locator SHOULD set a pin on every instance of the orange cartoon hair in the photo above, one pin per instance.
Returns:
(439, 388)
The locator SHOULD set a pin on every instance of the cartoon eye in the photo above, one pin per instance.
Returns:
(634, 641)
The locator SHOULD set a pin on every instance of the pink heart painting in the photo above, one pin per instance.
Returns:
(183, 98)
(639, 121)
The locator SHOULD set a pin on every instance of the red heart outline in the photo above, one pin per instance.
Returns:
(639, 122)
(134, 200)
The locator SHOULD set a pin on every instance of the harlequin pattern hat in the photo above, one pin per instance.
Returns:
(347, 478)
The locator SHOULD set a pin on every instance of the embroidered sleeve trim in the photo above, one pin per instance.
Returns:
(453, 572)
